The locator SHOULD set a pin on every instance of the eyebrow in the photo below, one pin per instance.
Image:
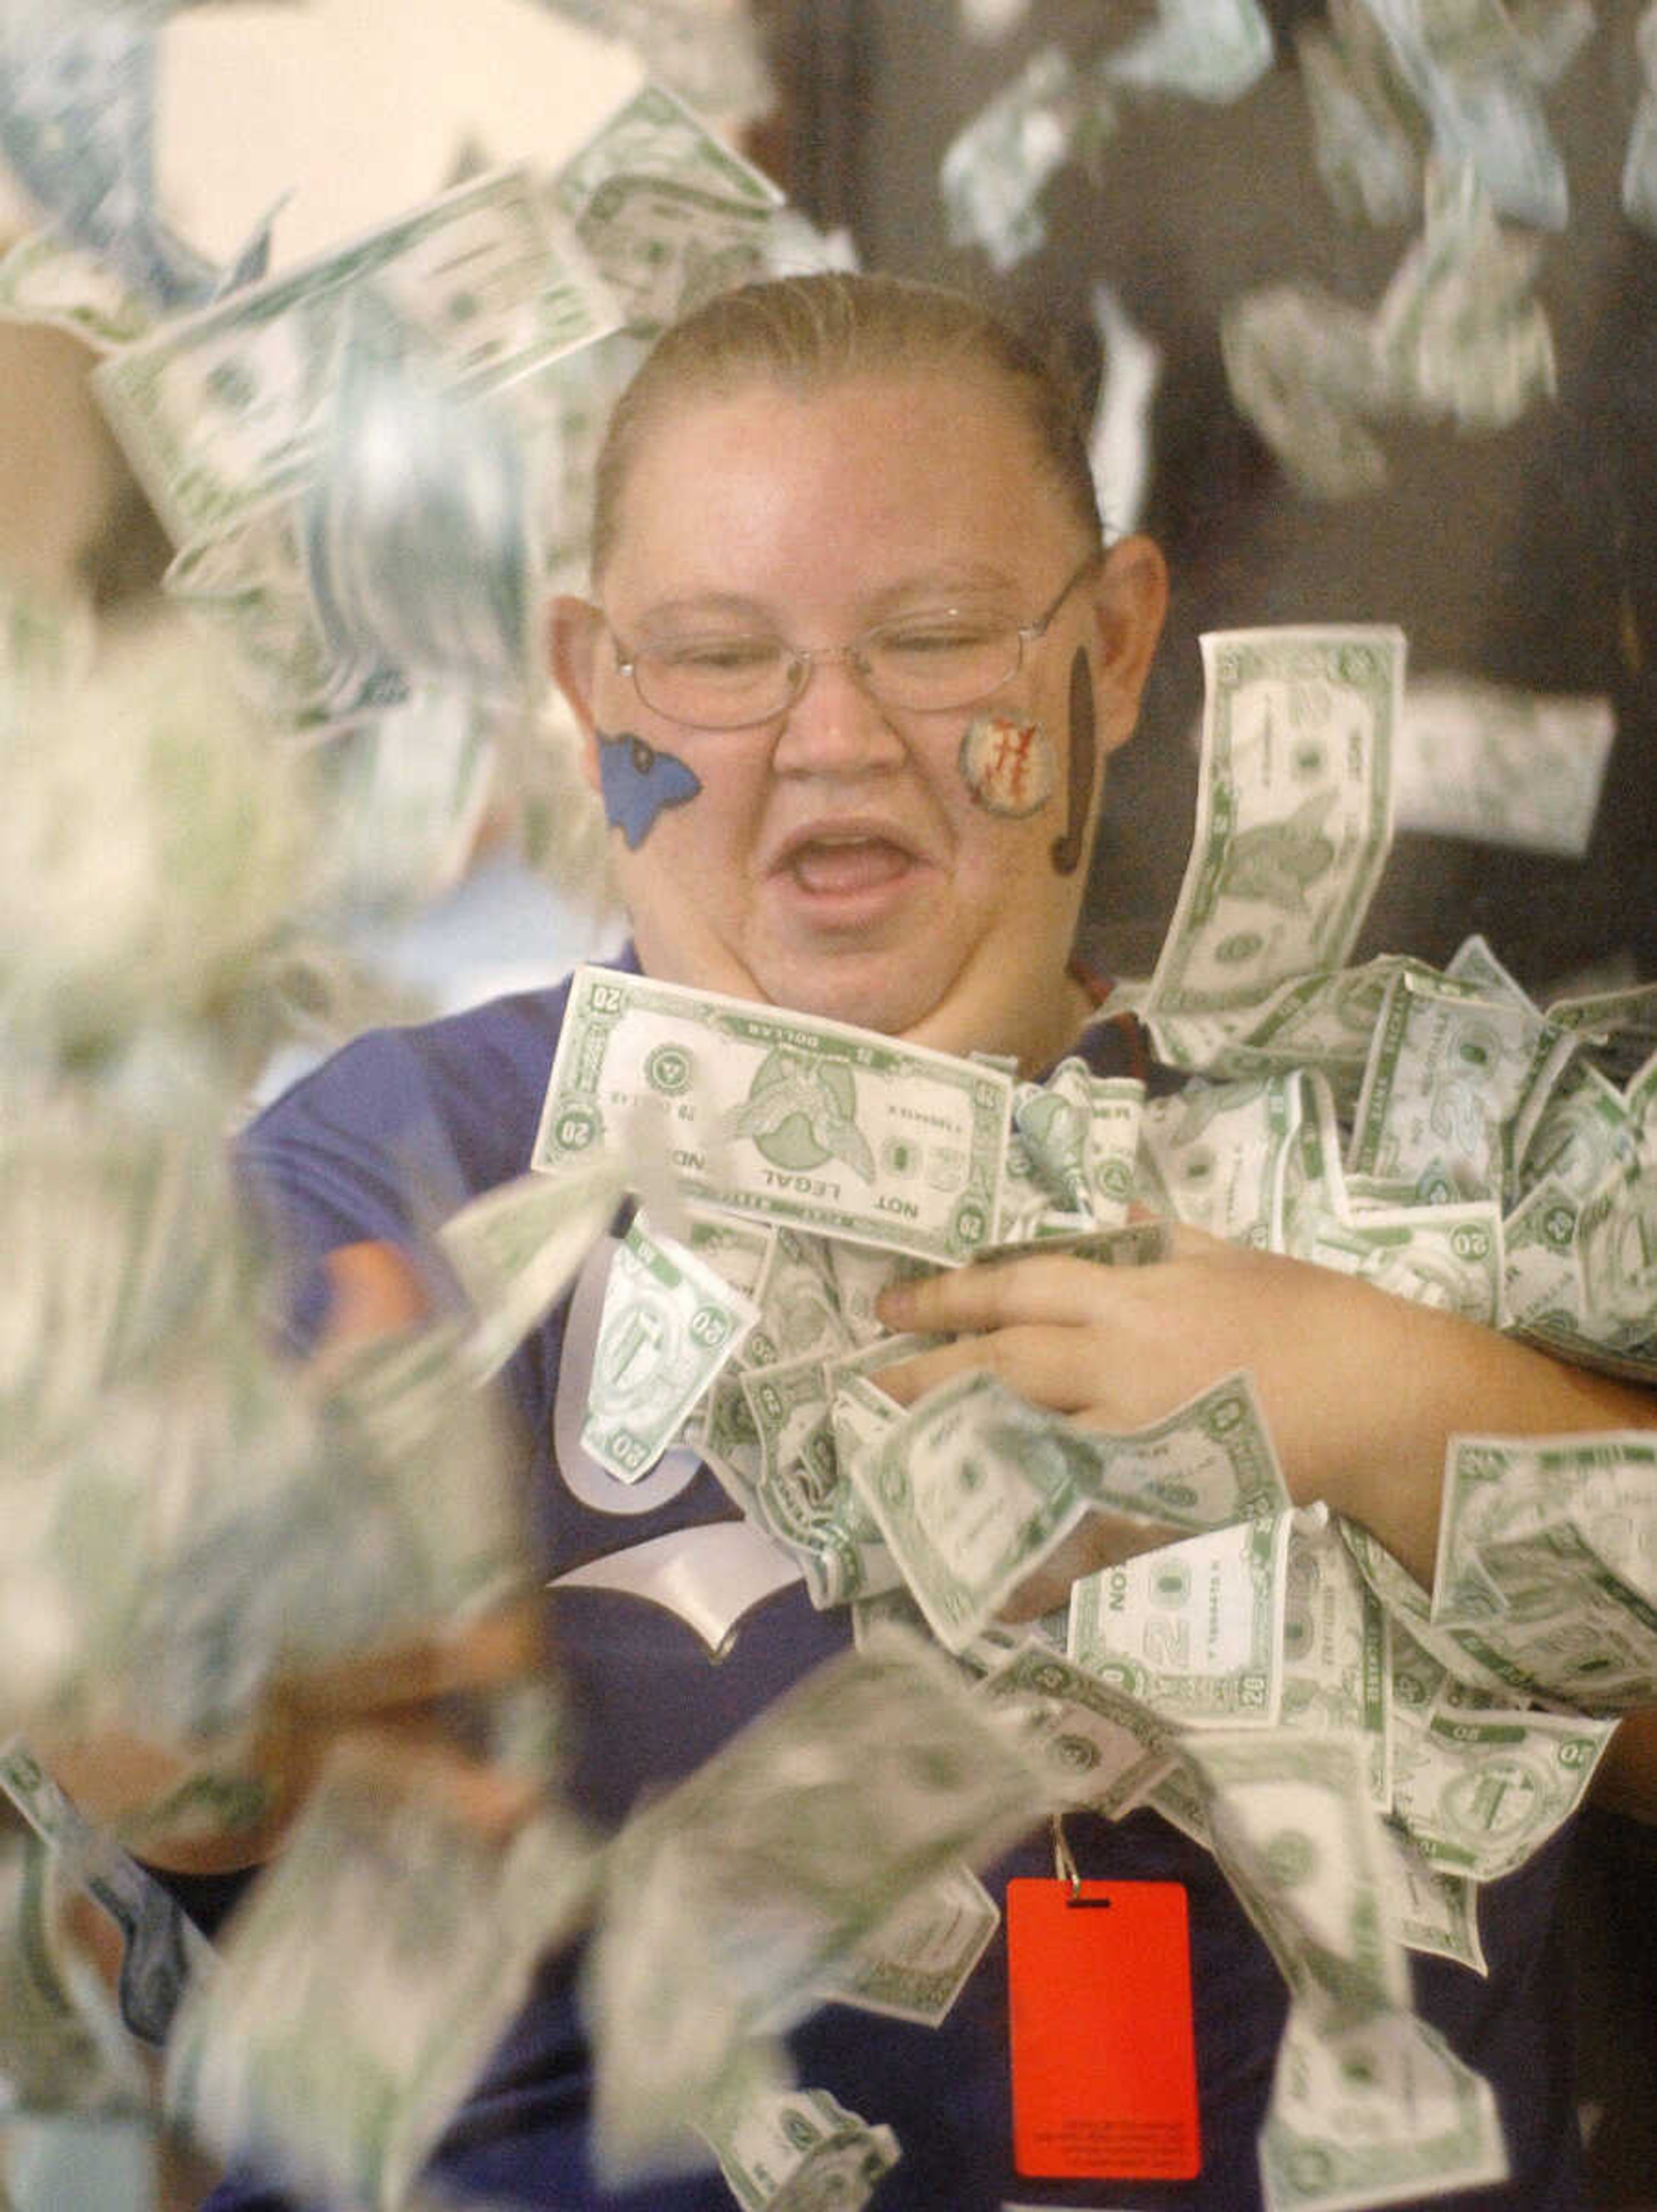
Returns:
(939, 586)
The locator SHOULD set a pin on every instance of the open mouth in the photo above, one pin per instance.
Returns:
(839, 866)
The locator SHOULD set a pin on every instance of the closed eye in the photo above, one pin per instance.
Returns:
(719, 656)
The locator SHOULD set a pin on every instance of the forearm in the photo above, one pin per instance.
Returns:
(1413, 1380)
(1626, 1778)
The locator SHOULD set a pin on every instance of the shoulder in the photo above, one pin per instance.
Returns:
(475, 1080)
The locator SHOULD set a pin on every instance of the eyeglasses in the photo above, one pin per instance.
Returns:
(926, 663)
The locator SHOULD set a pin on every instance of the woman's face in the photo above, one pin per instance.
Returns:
(892, 868)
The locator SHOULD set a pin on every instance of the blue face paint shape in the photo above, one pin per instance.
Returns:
(639, 783)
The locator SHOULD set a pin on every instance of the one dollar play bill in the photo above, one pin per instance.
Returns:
(1294, 813)
(807, 1122)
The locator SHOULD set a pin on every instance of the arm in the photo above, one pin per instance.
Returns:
(1361, 1389)
(373, 1291)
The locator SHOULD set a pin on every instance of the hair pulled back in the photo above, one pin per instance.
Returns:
(808, 331)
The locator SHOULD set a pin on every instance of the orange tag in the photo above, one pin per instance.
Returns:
(1104, 2065)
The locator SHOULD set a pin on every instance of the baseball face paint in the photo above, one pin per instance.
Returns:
(639, 783)
(1007, 764)
(1083, 761)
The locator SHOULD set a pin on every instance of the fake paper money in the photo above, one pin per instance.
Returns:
(1483, 109)
(996, 169)
(119, 905)
(374, 1969)
(1079, 1134)
(45, 280)
(1336, 1676)
(1548, 1553)
(1383, 2112)
(670, 213)
(669, 1324)
(1454, 1083)
(516, 1249)
(966, 1512)
(1458, 335)
(1209, 50)
(973, 1488)
(418, 527)
(1301, 367)
(1433, 1910)
(709, 56)
(1504, 766)
(1193, 1630)
(789, 1119)
(402, 796)
(1640, 162)
(221, 412)
(728, 1897)
(1619, 1028)
(61, 2047)
(1293, 816)
(77, 126)
(1481, 1792)
(1446, 1255)
(1218, 1155)
(1364, 143)
(1292, 1826)
(916, 1964)
(1107, 1749)
(161, 1950)
(790, 2150)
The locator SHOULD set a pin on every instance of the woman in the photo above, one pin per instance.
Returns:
(855, 659)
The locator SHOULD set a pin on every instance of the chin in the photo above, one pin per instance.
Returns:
(892, 1004)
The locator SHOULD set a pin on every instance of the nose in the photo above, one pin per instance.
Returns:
(836, 726)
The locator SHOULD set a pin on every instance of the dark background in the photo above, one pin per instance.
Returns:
(1527, 557)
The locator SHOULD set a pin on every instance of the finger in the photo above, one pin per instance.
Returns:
(1048, 1366)
(1012, 1293)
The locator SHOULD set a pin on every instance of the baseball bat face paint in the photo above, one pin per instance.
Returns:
(1084, 762)
(1007, 764)
(639, 784)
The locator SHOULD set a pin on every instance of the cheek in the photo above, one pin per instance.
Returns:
(1008, 764)
(640, 783)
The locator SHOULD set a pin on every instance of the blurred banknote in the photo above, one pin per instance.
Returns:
(728, 1897)
(1458, 335)
(1640, 163)
(996, 169)
(369, 1977)
(791, 2150)
(1477, 81)
(706, 52)
(417, 528)
(1212, 50)
(1507, 767)
(77, 126)
(670, 213)
(43, 279)
(1365, 141)
(62, 2048)
(222, 411)
(1381, 2112)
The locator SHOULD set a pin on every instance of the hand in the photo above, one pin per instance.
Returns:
(1361, 1389)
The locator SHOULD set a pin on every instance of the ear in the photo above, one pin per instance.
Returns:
(573, 640)
(1129, 601)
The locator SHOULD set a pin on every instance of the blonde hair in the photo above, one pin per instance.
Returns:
(805, 333)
